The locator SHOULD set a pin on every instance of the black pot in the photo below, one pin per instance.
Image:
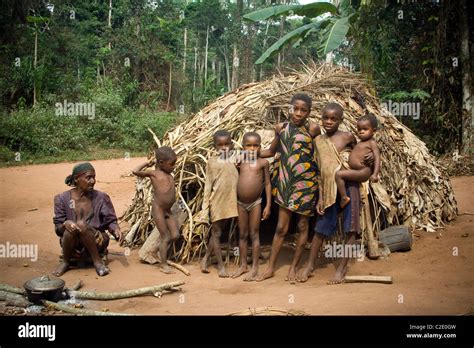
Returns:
(44, 288)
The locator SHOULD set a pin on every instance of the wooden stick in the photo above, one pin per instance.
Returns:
(92, 295)
(78, 311)
(368, 279)
(178, 267)
(13, 289)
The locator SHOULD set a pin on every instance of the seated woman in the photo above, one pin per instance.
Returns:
(82, 216)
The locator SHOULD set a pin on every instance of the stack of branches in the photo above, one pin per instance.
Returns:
(413, 189)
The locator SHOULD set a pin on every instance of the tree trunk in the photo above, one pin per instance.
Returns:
(205, 55)
(109, 21)
(185, 39)
(195, 69)
(235, 68)
(227, 69)
(260, 77)
(467, 108)
(35, 61)
(169, 86)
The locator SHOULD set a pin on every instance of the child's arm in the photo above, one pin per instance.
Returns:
(268, 191)
(375, 149)
(271, 151)
(138, 171)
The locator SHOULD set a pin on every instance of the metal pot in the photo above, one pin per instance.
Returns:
(44, 288)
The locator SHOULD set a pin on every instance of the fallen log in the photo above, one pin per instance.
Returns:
(13, 289)
(79, 311)
(13, 299)
(106, 296)
(368, 279)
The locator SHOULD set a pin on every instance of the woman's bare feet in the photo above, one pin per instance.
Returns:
(291, 277)
(222, 272)
(166, 269)
(240, 271)
(61, 269)
(269, 273)
(344, 201)
(204, 265)
(339, 276)
(305, 275)
(253, 274)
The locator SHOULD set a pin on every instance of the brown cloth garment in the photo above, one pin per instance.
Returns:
(220, 191)
(329, 161)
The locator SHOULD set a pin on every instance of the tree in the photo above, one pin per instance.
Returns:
(331, 24)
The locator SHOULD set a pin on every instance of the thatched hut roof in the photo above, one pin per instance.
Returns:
(413, 189)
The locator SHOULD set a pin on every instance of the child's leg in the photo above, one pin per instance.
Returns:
(342, 268)
(243, 237)
(215, 242)
(316, 244)
(254, 224)
(341, 188)
(303, 223)
(357, 175)
(284, 216)
(165, 237)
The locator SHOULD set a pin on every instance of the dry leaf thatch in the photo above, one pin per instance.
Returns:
(413, 189)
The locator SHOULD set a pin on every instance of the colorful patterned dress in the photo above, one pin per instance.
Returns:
(295, 176)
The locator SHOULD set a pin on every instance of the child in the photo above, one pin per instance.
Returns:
(253, 177)
(163, 199)
(331, 148)
(220, 197)
(296, 182)
(359, 172)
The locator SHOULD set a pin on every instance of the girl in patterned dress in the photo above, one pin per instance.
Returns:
(296, 182)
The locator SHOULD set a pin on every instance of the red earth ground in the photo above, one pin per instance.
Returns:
(429, 278)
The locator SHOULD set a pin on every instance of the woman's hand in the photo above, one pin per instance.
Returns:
(70, 226)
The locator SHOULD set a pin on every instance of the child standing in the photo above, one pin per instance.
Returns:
(359, 172)
(296, 181)
(331, 148)
(254, 176)
(164, 197)
(220, 197)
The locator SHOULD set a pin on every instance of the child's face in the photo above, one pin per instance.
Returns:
(223, 144)
(252, 145)
(365, 131)
(299, 112)
(331, 120)
(167, 165)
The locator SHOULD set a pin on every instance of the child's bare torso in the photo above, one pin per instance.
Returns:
(164, 193)
(251, 181)
(358, 153)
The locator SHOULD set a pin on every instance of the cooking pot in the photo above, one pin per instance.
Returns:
(44, 288)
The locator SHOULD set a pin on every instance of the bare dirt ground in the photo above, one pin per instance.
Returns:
(429, 280)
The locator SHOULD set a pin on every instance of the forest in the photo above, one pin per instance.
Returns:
(87, 79)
